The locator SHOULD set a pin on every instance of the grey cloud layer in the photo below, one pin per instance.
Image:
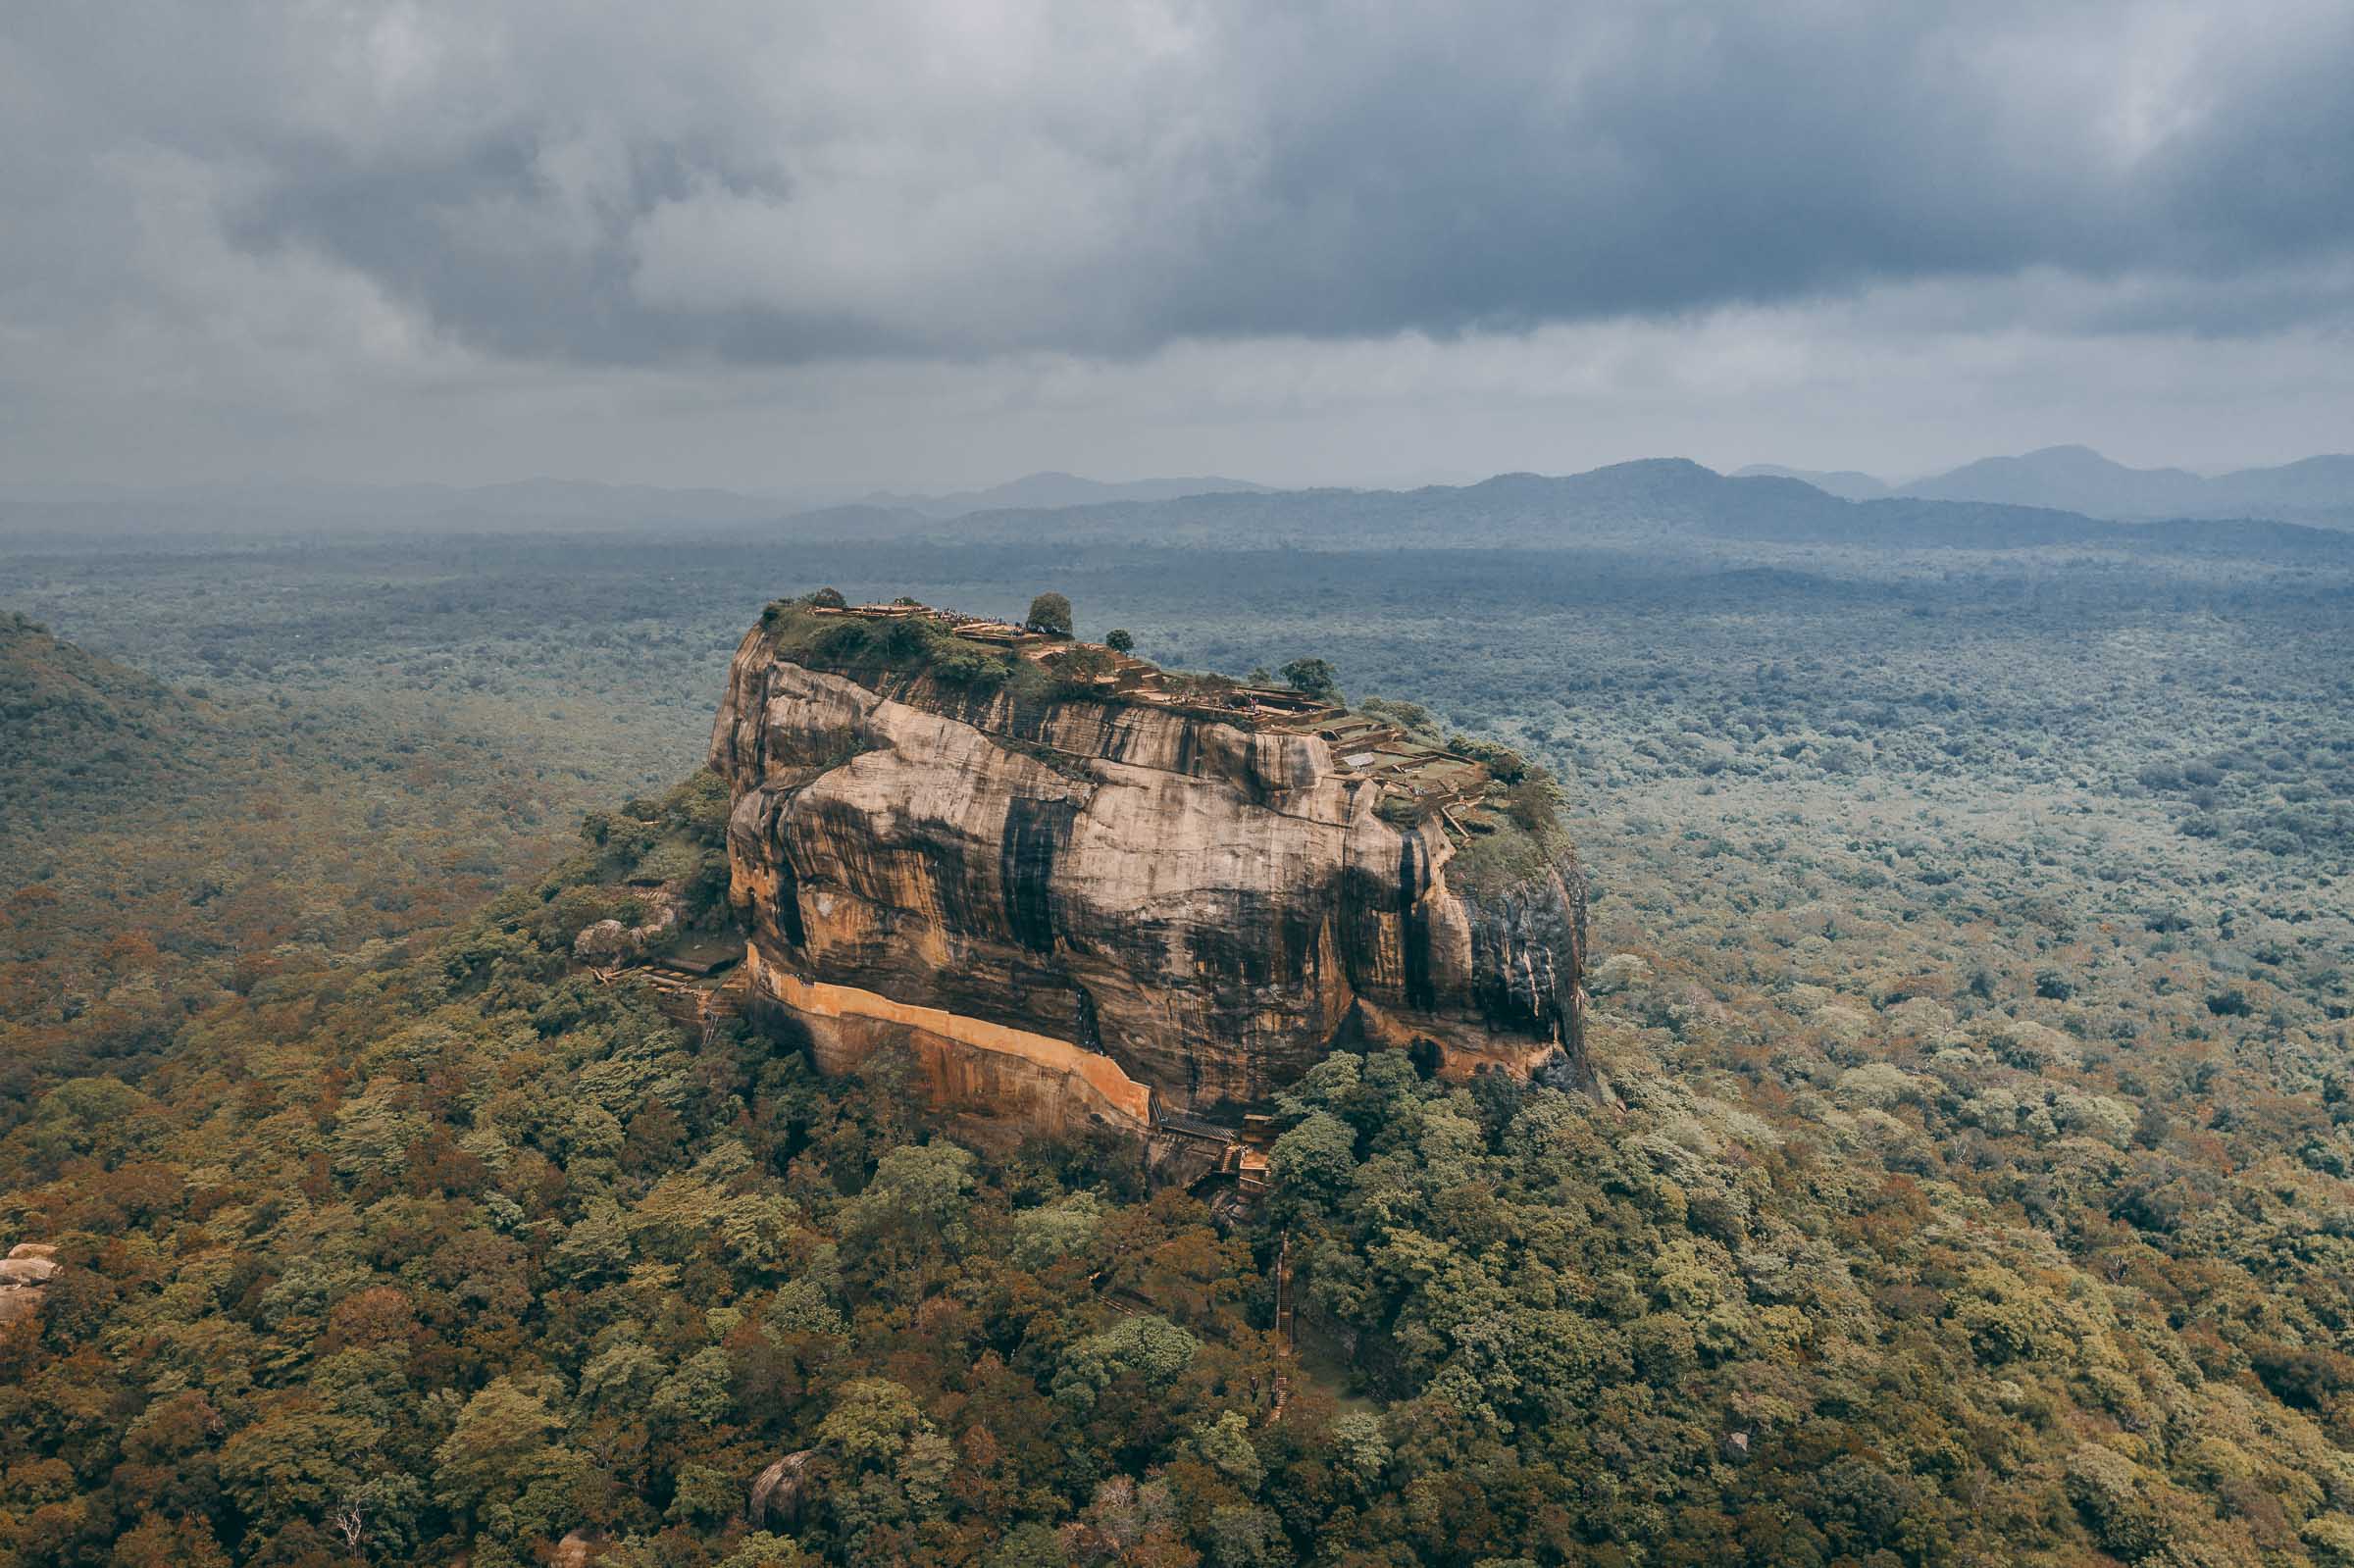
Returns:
(635, 183)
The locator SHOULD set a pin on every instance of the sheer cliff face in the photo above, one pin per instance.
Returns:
(1063, 903)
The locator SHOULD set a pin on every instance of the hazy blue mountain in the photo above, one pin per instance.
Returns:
(1053, 490)
(1846, 483)
(1659, 503)
(2044, 499)
(2071, 479)
(2077, 478)
(2315, 483)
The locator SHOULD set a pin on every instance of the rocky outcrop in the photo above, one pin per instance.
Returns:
(612, 941)
(1079, 905)
(24, 1274)
(579, 1549)
(780, 1492)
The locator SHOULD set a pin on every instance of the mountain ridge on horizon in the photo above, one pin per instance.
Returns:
(1647, 504)
(2073, 481)
(2075, 478)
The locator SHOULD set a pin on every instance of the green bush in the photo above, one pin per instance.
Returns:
(971, 669)
(1049, 616)
(839, 642)
(1313, 678)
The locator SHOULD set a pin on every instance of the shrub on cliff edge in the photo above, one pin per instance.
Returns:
(1049, 616)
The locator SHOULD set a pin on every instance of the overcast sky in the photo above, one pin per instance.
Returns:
(767, 244)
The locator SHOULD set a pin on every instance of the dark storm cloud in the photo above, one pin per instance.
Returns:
(787, 183)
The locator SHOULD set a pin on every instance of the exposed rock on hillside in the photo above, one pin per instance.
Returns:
(609, 942)
(1082, 890)
(23, 1275)
(780, 1491)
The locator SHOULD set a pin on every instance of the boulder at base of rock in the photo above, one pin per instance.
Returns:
(577, 1549)
(19, 1272)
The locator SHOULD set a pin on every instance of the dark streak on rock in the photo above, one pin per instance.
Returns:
(1413, 923)
(1036, 833)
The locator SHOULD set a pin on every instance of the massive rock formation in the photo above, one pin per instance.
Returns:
(1082, 891)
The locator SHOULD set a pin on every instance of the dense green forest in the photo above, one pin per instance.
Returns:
(1969, 1181)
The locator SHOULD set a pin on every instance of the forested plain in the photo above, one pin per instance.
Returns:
(1968, 1178)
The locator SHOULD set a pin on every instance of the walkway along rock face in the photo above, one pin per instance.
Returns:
(1089, 897)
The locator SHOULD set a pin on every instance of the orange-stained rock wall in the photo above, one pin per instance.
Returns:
(969, 1064)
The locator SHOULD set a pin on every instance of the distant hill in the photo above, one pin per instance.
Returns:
(2071, 479)
(1051, 490)
(1649, 504)
(1637, 502)
(76, 730)
(1846, 483)
(2077, 478)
